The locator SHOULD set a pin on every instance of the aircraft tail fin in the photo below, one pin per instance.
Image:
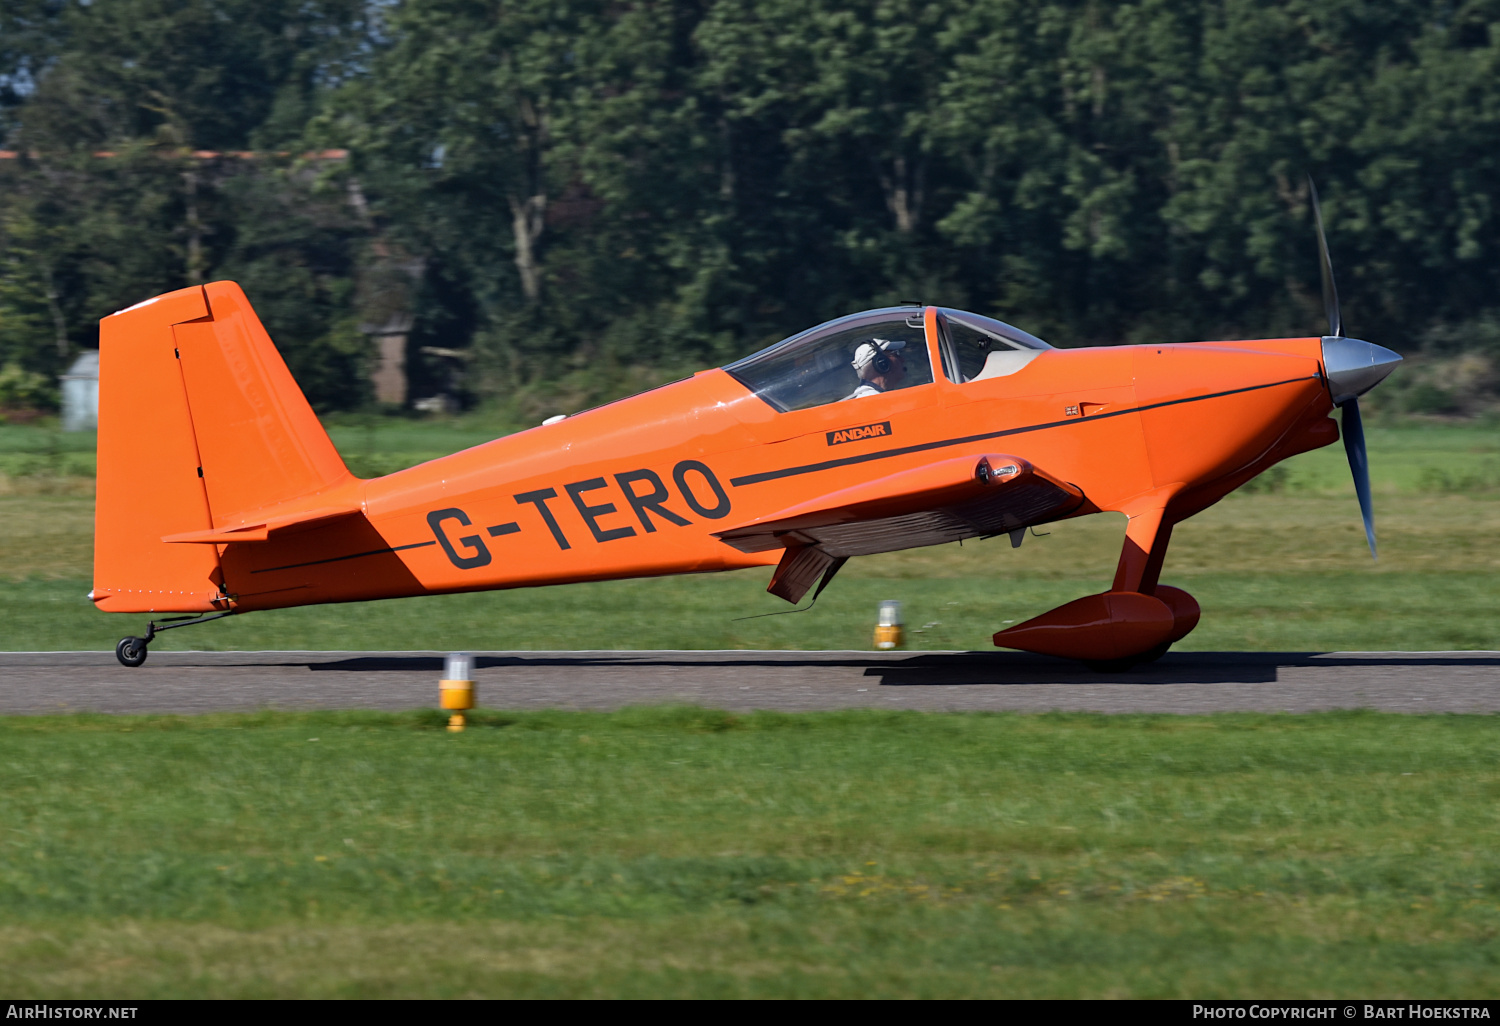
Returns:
(201, 428)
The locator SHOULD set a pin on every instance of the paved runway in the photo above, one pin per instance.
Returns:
(1187, 682)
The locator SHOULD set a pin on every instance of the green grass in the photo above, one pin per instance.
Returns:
(685, 852)
(1417, 458)
(43, 452)
(1266, 612)
(1281, 566)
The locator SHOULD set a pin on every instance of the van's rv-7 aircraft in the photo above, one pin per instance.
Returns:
(220, 493)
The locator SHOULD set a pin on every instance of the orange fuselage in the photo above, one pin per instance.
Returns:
(635, 488)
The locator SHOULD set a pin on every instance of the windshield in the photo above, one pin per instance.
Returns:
(854, 357)
(986, 348)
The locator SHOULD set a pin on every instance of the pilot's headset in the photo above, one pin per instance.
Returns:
(873, 355)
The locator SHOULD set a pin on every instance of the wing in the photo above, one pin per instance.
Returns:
(963, 497)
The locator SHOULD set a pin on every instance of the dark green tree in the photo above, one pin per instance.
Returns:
(135, 175)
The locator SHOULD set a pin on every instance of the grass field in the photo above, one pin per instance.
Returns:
(680, 852)
(1281, 565)
(684, 852)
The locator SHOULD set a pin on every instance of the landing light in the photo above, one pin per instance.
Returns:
(986, 474)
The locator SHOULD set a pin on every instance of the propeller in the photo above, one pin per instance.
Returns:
(1354, 367)
(1359, 466)
(1325, 264)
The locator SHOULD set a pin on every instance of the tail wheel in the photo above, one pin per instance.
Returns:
(131, 651)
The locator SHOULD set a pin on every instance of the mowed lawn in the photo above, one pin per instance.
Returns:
(686, 852)
(1281, 566)
(683, 852)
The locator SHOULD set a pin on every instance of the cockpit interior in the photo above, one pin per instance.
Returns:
(825, 364)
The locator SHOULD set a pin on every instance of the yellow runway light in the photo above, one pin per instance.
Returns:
(456, 689)
(890, 632)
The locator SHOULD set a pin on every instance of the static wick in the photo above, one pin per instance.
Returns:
(456, 689)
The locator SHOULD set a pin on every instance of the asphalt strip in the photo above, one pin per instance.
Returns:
(1181, 682)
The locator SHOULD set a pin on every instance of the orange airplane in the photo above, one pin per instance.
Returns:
(220, 493)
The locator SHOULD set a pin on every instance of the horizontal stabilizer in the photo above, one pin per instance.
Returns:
(962, 497)
(261, 530)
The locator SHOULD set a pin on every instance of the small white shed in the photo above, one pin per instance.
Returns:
(80, 393)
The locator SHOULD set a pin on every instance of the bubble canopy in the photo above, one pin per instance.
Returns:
(818, 366)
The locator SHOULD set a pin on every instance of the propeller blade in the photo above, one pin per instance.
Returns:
(1330, 289)
(1359, 465)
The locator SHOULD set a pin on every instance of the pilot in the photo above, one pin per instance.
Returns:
(880, 366)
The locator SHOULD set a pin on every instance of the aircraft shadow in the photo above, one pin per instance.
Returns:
(1016, 668)
(952, 669)
(1019, 669)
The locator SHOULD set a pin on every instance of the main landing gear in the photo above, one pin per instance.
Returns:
(131, 651)
(1132, 624)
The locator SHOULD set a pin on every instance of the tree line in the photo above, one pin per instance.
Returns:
(560, 200)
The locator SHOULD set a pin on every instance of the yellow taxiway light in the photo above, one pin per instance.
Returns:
(890, 632)
(457, 688)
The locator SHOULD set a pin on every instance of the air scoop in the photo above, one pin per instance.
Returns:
(1355, 366)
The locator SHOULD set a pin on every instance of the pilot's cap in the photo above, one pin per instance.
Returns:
(864, 353)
